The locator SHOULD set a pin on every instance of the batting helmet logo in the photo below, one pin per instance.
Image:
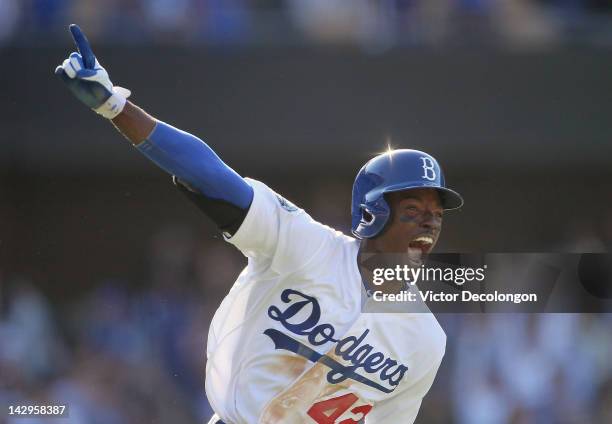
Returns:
(428, 168)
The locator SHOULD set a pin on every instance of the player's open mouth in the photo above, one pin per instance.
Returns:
(422, 243)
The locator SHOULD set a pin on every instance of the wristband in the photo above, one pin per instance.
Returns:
(114, 105)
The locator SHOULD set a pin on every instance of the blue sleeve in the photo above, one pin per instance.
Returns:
(192, 161)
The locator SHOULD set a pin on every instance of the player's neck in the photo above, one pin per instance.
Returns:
(373, 254)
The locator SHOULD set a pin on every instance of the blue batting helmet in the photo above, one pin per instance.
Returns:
(395, 170)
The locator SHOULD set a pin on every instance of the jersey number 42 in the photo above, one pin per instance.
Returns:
(330, 410)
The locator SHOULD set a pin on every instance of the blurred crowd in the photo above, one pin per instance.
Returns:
(374, 24)
(119, 354)
(134, 352)
(521, 368)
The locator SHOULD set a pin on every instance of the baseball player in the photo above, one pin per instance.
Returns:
(291, 343)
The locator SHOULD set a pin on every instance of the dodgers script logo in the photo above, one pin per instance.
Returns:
(349, 348)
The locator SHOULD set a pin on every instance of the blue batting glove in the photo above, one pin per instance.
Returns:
(89, 81)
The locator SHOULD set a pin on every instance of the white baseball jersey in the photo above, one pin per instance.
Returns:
(290, 343)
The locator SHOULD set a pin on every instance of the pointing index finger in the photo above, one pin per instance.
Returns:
(89, 59)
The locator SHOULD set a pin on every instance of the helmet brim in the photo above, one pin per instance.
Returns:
(449, 198)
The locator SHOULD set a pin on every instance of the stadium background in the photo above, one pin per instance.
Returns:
(109, 277)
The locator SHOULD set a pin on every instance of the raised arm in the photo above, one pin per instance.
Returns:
(216, 188)
(134, 123)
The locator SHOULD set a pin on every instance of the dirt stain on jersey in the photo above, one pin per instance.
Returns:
(291, 365)
(290, 406)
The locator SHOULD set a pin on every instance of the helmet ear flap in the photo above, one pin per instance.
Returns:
(366, 216)
(374, 216)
